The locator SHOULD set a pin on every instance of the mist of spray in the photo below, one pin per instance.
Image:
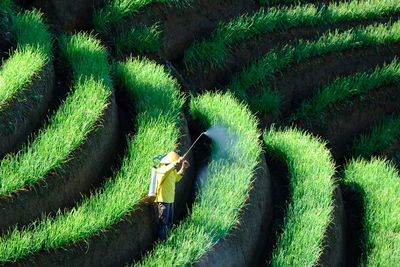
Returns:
(223, 143)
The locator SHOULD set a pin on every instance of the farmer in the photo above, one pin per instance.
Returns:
(167, 176)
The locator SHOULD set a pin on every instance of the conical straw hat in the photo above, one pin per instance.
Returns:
(170, 157)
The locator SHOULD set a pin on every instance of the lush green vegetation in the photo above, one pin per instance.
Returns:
(223, 193)
(33, 51)
(69, 126)
(378, 138)
(378, 183)
(144, 39)
(345, 87)
(213, 51)
(311, 187)
(258, 73)
(115, 10)
(158, 105)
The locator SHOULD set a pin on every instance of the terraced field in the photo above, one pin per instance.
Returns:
(304, 96)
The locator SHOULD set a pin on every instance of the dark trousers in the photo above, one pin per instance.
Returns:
(165, 217)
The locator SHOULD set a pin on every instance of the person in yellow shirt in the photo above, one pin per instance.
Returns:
(167, 176)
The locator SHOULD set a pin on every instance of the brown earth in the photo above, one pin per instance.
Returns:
(182, 25)
(242, 53)
(124, 241)
(245, 244)
(350, 117)
(67, 183)
(25, 112)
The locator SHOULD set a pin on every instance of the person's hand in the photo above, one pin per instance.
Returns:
(186, 164)
(180, 160)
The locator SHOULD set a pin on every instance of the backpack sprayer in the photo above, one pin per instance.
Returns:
(153, 178)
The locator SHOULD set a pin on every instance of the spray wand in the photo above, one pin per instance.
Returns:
(190, 148)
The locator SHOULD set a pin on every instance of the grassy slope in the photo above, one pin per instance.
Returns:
(29, 58)
(157, 123)
(69, 126)
(221, 196)
(379, 185)
(261, 71)
(309, 211)
(213, 51)
(345, 87)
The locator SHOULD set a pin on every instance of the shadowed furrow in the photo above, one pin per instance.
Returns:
(378, 184)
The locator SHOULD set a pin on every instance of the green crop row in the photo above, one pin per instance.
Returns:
(225, 187)
(213, 51)
(144, 39)
(261, 71)
(378, 138)
(309, 211)
(115, 10)
(158, 105)
(69, 126)
(378, 183)
(345, 87)
(32, 53)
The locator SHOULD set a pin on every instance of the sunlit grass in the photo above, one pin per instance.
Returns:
(378, 183)
(222, 194)
(311, 186)
(70, 125)
(33, 51)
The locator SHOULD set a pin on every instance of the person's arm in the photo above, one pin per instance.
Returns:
(185, 165)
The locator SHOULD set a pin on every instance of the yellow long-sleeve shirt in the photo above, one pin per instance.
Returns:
(167, 176)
